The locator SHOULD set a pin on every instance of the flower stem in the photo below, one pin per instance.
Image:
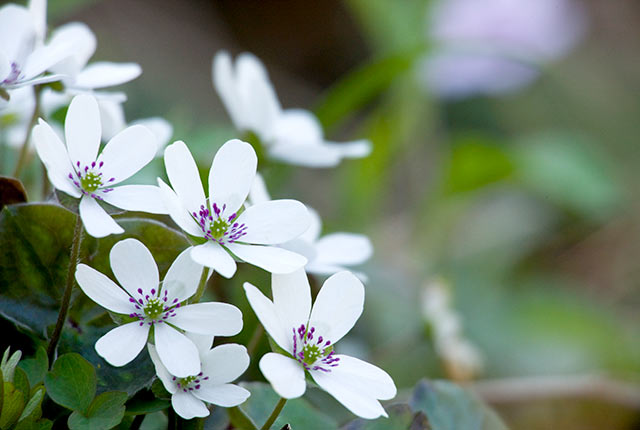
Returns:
(66, 296)
(276, 411)
(203, 283)
(255, 339)
(24, 150)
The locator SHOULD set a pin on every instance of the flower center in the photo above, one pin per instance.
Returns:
(190, 383)
(88, 179)
(314, 353)
(152, 308)
(217, 226)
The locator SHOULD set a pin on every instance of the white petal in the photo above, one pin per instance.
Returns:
(183, 277)
(134, 267)
(302, 247)
(270, 320)
(225, 363)
(218, 319)
(177, 352)
(122, 344)
(260, 106)
(338, 306)
(111, 117)
(103, 290)
(83, 130)
(80, 42)
(178, 213)
(212, 255)
(344, 249)
(105, 74)
(202, 341)
(292, 298)
(298, 126)
(16, 29)
(274, 222)
(259, 192)
(315, 226)
(5, 67)
(226, 395)
(355, 149)
(162, 372)
(54, 156)
(188, 406)
(128, 151)
(357, 385)
(325, 269)
(225, 84)
(161, 129)
(232, 173)
(96, 221)
(269, 258)
(183, 175)
(144, 198)
(316, 155)
(38, 10)
(285, 375)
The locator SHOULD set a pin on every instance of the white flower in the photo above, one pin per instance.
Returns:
(218, 221)
(79, 171)
(496, 46)
(328, 254)
(292, 135)
(220, 366)
(23, 58)
(308, 335)
(156, 305)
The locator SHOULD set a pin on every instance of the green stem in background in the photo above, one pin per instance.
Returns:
(66, 296)
(203, 284)
(24, 150)
(255, 339)
(274, 415)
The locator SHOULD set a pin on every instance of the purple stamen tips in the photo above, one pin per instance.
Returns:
(153, 291)
(101, 164)
(139, 290)
(216, 226)
(312, 355)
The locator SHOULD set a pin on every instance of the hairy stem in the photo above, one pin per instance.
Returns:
(274, 415)
(24, 150)
(66, 296)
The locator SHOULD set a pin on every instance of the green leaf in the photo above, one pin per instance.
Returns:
(145, 403)
(297, 412)
(240, 420)
(36, 367)
(32, 409)
(72, 382)
(569, 171)
(158, 390)
(401, 417)
(362, 85)
(21, 383)
(13, 404)
(106, 411)
(9, 363)
(450, 407)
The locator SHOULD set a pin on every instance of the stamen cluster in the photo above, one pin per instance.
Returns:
(190, 383)
(153, 309)
(89, 179)
(318, 355)
(217, 227)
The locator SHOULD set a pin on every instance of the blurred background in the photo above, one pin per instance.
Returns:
(502, 193)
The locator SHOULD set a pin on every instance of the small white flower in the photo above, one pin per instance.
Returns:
(292, 135)
(328, 254)
(79, 171)
(308, 335)
(220, 366)
(23, 58)
(156, 305)
(220, 221)
(496, 46)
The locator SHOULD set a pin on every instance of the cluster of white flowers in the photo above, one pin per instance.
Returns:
(235, 220)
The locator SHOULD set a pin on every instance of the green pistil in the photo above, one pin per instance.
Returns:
(154, 308)
(311, 354)
(184, 382)
(219, 228)
(90, 182)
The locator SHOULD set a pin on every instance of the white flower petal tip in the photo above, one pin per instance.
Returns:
(310, 339)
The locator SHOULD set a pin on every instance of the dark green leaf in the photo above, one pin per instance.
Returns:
(401, 417)
(450, 407)
(159, 391)
(21, 383)
(297, 412)
(145, 403)
(72, 382)
(106, 411)
(36, 367)
(240, 420)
